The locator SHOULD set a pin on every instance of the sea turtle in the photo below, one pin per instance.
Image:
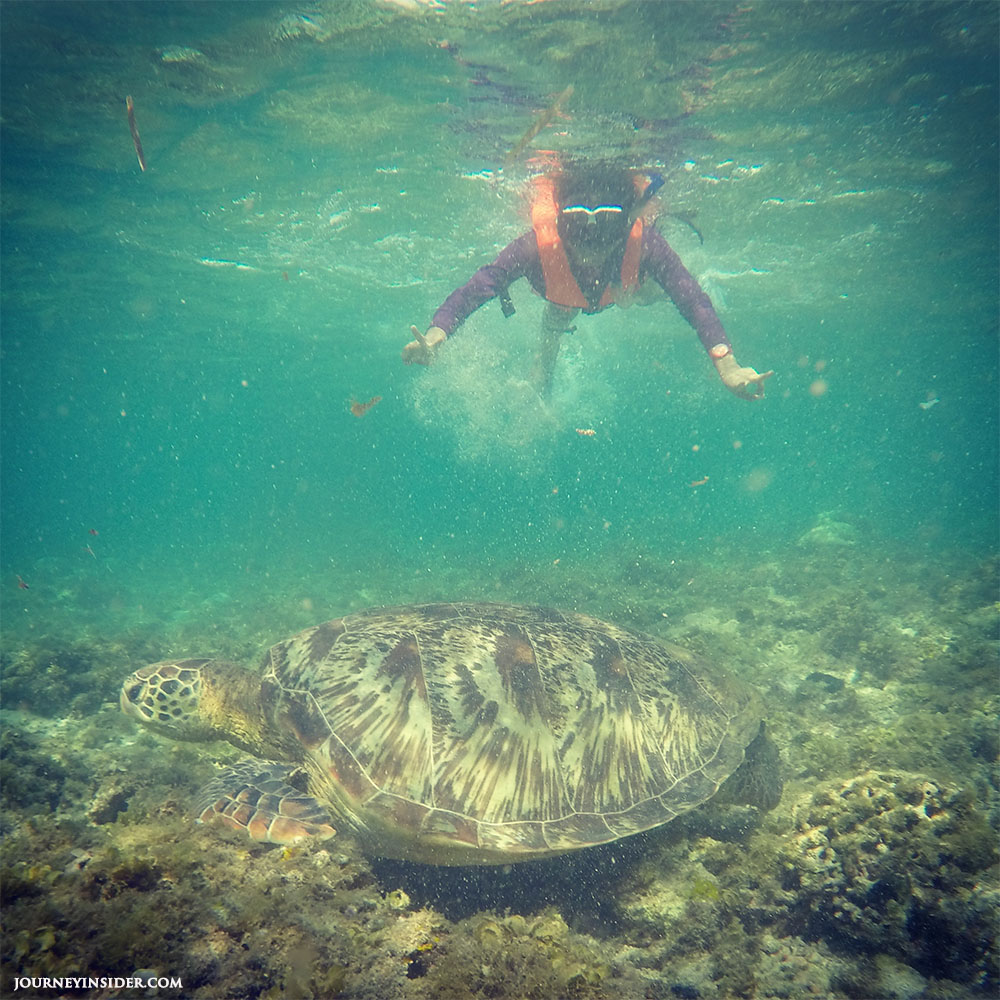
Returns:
(463, 733)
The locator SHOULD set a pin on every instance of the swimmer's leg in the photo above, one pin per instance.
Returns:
(649, 294)
(556, 320)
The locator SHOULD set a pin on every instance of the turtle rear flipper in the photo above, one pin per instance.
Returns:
(255, 797)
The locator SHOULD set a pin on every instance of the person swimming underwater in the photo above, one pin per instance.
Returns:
(589, 248)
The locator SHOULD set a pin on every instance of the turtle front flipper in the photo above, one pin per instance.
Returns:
(255, 797)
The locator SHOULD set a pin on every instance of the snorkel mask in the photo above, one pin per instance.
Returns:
(582, 224)
(591, 220)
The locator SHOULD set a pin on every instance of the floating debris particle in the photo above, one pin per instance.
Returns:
(539, 123)
(133, 128)
(360, 409)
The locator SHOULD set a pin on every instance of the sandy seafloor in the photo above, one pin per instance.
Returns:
(182, 475)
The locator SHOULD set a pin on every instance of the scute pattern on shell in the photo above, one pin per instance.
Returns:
(504, 731)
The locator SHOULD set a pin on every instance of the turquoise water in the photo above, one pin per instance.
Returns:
(865, 245)
(181, 345)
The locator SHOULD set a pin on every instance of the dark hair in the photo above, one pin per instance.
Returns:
(595, 184)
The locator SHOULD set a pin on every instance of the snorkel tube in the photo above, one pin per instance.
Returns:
(654, 185)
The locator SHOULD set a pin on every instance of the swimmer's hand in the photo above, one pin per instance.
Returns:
(747, 383)
(421, 350)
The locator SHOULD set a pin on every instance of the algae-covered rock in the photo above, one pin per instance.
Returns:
(896, 863)
(830, 532)
(29, 777)
(521, 956)
(859, 887)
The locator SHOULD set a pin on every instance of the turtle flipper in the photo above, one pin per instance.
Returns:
(254, 797)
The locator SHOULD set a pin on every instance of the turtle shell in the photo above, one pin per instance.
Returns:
(491, 733)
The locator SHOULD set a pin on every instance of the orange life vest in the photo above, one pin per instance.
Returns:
(560, 285)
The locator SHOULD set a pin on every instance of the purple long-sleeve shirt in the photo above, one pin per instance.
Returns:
(520, 259)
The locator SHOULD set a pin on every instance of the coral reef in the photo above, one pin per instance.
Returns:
(896, 864)
(852, 883)
(536, 958)
(875, 875)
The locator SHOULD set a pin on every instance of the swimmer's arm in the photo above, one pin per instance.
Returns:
(696, 307)
(516, 260)
(662, 262)
(513, 262)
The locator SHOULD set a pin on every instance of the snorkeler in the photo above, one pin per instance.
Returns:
(589, 248)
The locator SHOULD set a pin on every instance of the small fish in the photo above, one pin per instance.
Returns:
(89, 550)
(699, 482)
(587, 432)
(22, 584)
(927, 404)
(92, 531)
(133, 128)
(360, 409)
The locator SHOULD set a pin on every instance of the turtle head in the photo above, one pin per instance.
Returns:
(200, 700)
(167, 696)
